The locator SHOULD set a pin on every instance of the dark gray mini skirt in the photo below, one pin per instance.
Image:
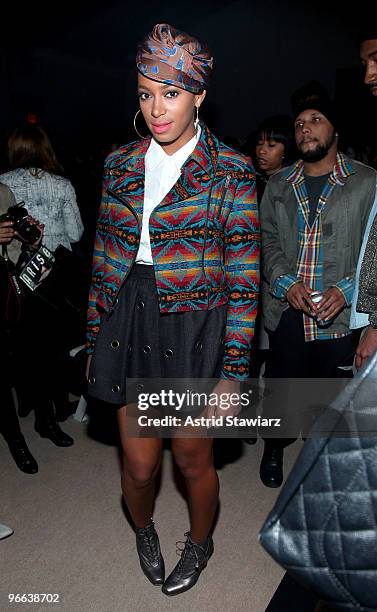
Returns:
(138, 342)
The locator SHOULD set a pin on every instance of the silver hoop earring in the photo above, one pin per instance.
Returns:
(196, 120)
(135, 128)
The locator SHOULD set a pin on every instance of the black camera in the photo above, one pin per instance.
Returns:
(29, 232)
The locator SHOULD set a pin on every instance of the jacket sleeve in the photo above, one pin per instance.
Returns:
(93, 317)
(276, 269)
(367, 297)
(7, 198)
(72, 220)
(241, 263)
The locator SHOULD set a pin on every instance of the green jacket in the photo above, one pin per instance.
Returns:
(343, 219)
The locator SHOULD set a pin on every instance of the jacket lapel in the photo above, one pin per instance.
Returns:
(197, 172)
(128, 178)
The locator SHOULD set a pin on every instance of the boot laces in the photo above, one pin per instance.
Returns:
(150, 541)
(186, 550)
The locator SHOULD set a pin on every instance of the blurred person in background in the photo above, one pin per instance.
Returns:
(36, 178)
(273, 149)
(10, 248)
(364, 303)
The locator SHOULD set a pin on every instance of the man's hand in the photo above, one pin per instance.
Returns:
(7, 232)
(299, 298)
(366, 348)
(228, 392)
(331, 304)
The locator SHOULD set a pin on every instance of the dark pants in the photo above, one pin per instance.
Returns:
(290, 357)
(41, 354)
(9, 425)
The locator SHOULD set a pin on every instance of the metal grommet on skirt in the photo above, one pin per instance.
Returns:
(173, 345)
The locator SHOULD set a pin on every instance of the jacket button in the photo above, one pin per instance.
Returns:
(139, 387)
(169, 353)
(199, 347)
(91, 380)
(129, 348)
(115, 344)
(115, 388)
(140, 306)
(147, 348)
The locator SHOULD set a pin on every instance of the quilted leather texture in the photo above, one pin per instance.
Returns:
(323, 527)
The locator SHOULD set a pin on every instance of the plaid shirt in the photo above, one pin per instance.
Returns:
(309, 267)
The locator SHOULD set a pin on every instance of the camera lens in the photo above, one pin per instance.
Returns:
(28, 231)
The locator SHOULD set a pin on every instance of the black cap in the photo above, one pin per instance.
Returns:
(369, 33)
(313, 95)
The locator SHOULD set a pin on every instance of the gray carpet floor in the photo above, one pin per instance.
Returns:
(72, 537)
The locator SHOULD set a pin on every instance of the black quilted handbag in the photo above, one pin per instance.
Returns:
(323, 527)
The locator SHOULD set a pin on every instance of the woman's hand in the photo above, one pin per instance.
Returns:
(228, 399)
(41, 228)
(7, 232)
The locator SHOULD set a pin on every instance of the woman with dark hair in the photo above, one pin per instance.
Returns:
(273, 149)
(36, 179)
(175, 283)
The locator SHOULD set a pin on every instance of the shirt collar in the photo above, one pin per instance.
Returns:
(343, 168)
(156, 154)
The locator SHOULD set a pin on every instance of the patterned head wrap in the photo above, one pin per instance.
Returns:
(170, 56)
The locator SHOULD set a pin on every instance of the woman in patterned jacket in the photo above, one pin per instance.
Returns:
(174, 286)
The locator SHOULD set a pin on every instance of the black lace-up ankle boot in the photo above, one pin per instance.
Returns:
(194, 558)
(148, 548)
(271, 467)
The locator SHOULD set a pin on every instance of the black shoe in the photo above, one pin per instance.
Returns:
(22, 456)
(151, 559)
(194, 558)
(271, 467)
(51, 430)
(250, 441)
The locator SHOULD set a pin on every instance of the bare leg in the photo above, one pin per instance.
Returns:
(141, 463)
(194, 457)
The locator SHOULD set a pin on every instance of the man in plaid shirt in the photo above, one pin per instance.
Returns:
(313, 217)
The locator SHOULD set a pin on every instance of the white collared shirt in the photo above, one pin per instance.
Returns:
(161, 173)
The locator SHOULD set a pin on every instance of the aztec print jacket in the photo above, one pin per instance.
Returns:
(204, 236)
